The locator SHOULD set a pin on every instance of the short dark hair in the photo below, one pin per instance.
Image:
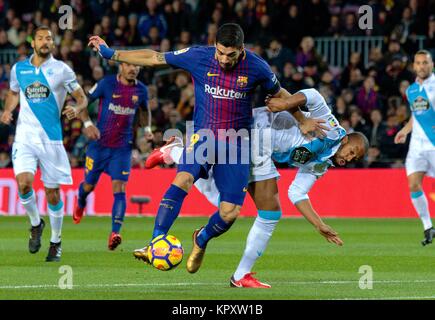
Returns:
(39, 29)
(425, 52)
(230, 35)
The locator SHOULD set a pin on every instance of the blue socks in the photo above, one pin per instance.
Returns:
(118, 211)
(214, 228)
(169, 209)
(82, 196)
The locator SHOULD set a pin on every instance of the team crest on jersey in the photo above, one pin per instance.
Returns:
(420, 104)
(37, 92)
(320, 167)
(242, 81)
(332, 122)
(134, 98)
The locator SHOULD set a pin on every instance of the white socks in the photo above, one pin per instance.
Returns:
(56, 220)
(28, 201)
(256, 243)
(420, 203)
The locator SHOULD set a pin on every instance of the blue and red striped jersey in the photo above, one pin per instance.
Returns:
(117, 108)
(223, 99)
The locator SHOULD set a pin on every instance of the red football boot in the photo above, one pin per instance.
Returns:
(78, 214)
(114, 240)
(163, 154)
(248, 281)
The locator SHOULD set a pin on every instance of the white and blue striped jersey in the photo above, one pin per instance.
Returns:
(42, 95)
(421, 98)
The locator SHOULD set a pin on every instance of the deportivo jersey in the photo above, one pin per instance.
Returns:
(42, 95)
(290, 146)
(223, 99)
(421, 99)
(117, 109)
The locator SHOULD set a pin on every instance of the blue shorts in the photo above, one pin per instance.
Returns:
(116, 162)
(231, 176)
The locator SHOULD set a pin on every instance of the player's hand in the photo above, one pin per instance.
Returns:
(6, 117)
(92, 132)
(400, 137)
(70, 112)
(313, 128)
(99, 45)
(330, 234)
(276, 104)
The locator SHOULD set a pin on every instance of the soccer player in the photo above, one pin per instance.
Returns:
(40, 84)
(225, 77)
(121, 96)
(278, 138)
(420, 160)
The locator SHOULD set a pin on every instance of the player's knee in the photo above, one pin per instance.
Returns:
(414, 186)
(184, 181)
(229, 212)
(88, 187)
(53, 196)
(24, 187)
(267, 201)
(118, 186)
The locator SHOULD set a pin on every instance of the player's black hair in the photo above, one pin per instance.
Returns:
(425, 52)
(230, 35)
(39, 29)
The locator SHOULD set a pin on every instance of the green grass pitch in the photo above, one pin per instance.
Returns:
(299, 263)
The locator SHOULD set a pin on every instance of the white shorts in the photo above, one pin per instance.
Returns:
(52, 159)
(419, 160)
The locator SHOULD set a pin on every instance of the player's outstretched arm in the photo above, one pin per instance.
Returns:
(403, 133)
(306, 209)
(142, 57)
(12, 100)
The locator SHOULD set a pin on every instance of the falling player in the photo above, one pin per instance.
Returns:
(225, 77)
(121, 96)
(278, 138)
(40, 84)
(420, 160)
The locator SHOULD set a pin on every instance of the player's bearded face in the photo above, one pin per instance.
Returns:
(43, 43)
(423, 65)
(129, 71)
(347, 153)
(227, 56)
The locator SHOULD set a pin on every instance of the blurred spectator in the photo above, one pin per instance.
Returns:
(277, 55)
(152, 18)
(5, 160)
(367, 97)
(377, 128)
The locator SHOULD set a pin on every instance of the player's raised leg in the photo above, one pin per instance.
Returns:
(56, 212)
(28, 200)
(231, 178)
(266, 198)
(421, 205)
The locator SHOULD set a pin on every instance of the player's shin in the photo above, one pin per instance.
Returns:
(169, 208)
(83, 194)
(257, 241)
(56, 219)
(28, 201)
(421, 205)
(118, 211)
(214, 228)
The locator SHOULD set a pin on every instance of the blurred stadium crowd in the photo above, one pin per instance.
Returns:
(367, 97)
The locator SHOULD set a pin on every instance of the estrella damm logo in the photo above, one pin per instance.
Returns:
(242, 81)
(134, 98)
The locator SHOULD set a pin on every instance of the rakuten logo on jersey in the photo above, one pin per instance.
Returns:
(220, 93)
(117, 109)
